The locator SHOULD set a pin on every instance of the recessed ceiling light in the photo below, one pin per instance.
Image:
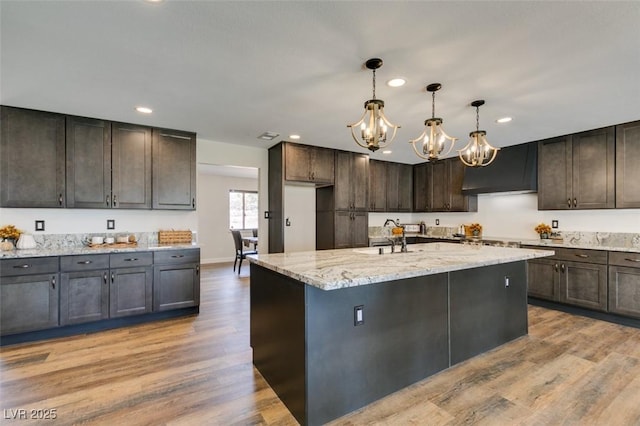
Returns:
(504, 120)
(388, 151)
(144, 110)
(295, 137)
(268, 136)
(396, 82)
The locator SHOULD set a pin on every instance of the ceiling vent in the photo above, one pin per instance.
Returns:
(268, 136)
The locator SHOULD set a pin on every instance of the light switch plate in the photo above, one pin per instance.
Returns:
(39, 225)
(111, 224)
(554, 224)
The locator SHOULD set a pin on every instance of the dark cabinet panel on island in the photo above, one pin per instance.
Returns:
(32, 158)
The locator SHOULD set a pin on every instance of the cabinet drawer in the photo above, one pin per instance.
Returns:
(177, 256)
(131, 259)
(581, 255)
(620, 258)
(85, 262)
(28, 266)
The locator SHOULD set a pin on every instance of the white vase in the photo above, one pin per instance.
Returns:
(25, 242)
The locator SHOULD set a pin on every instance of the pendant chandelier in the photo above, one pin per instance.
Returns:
(478, 152)
(372, 130)
(433, 141)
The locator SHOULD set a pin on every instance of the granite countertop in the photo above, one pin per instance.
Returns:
(75, 250)
(336, 269)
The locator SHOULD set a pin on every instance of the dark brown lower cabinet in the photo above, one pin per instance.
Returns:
(176, 279)
(84, 296)
(351, 229)
(624, 290)
(131, 291)
(560, 278)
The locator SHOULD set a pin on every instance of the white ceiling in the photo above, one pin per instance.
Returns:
(231, 70)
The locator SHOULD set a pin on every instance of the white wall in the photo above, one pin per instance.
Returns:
(515, 215)
(300, 209)
(214, 238)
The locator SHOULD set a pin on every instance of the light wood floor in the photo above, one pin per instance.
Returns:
(198, 371)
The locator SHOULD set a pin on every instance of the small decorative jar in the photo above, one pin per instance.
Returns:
(6, 245)
(544, 236)
(25, 242)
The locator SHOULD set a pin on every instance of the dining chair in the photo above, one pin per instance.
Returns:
(240, 253)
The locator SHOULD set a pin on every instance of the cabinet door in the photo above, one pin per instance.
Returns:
(343, 188)
(32, 158)
(360, 181)
(542, 279)
(594, 169)
(360, 229)
(297, 165)
(420, 198)
(131, 151)
(174, 170)
(377, 186)
(554, 174)
(405, 187)
(28, 303)
(393, 187)
(459, 202)
(342, 230)
(322, 165)
(130, 291)
(88, 143)
(84, 296)
(627, 161)
(624, 290)
(439, 186)
(176, 286)
(584, 284)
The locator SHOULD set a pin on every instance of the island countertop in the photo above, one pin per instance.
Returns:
(336, 269)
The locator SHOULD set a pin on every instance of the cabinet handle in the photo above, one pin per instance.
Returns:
(555, 267)
(60, 199)
(131, 259)
(197, 269)
(84, 262)
(584, 256)
(23, 266)
(105, 277)
(115, 201)
(575, 202)
(107, 199)
(631, 260)
(53, 283)
(113, 277)
(177, 256)
(563, 268)
(193, 202)
(569, 202)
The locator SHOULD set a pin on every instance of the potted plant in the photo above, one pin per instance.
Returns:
(543, 230)
(476, 229)
(10, 235)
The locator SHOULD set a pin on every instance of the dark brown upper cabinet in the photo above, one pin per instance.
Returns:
(577, 171)
(421, 200)
(174, 170)
(444, 187)
(628, 165)
(377, 186)
(305, 163)
(108, 164)
(32, 158)
(351, 181)
(88, 143)
(399, 187)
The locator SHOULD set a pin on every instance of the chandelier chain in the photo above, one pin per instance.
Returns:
(477, 118)
(433, 104)
(374, 84)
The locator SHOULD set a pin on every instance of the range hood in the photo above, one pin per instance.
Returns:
(515, 169)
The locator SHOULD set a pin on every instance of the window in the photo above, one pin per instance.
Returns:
(243, 209)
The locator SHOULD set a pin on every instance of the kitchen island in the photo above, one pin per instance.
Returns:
(335, 330)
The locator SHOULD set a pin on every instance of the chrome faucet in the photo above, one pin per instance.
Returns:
(393, 244)
(403, 247)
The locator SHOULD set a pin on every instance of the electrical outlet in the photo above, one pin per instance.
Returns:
(437, 221)
(358, 315)
(39, 225)
(111, 224)
(554, 224)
